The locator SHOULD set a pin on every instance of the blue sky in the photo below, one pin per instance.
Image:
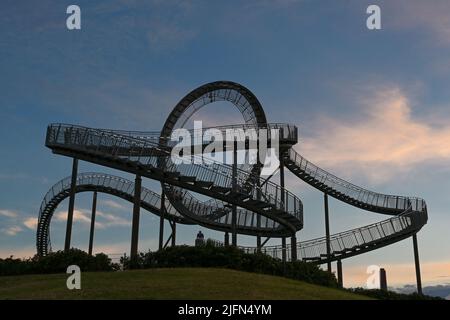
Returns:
(371, 106)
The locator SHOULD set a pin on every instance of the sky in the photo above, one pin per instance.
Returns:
(372, 106)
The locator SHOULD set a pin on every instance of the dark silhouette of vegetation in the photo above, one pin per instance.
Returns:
(56, 262)
(391, 295)
(208, 256)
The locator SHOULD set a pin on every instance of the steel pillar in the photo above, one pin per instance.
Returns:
(227, 239)
(283, 199)
(91, 233)
(417, 263)
(293, 248)
(339, 274)
(327, 230)
(258, 216)
(383, 279)
(234, 207)
(161, 219)
(174, 233)
(136, 213)
(71, 204)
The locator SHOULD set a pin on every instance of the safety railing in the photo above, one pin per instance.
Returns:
(350, 240)
(107, 143)
(285, 134)
(394, 202)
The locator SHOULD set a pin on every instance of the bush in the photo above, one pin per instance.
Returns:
(56, 262)
(232, 258)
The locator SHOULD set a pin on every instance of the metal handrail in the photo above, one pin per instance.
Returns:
(118, 185)
(400, 203)
(67, 137)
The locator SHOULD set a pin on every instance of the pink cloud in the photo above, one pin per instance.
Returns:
(8, 213)
(384, 140)
(103, 220)
(30, 223)
(433, 272)
(12, 231)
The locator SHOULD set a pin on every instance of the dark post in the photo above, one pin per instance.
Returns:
(416, 259)
(73, 186)
(339, 274)
(161, 219)
(135, 223)
(383, 280)
(283, 201)
(91, 234)
(174, 233)
(293, 247)
(227, 239)
(327, 230)
(234, 208)
(258, 216)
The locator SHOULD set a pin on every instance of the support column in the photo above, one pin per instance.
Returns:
(227, 239)
(283, 199)
(91, 234)
(135, 223)
(258, 237)
(339, 274)
(293, 248)
(283, 249)
(258, 216)
(327, 230)
(161, 219)
(71, 204)
(234, 207)
(383, 279)
(174, 233)
(416, 260)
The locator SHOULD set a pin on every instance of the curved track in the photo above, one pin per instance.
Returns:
(265, 208)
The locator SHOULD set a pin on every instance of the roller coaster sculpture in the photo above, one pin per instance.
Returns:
(241, 201)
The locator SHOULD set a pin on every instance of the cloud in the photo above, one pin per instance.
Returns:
(415, 14)
(113, 204)
(13, 176)
(110, 220)
(12, 231)
(30, 222)
(78, 216)
(103, 220)
(8, 213)
(440, 290)
(384, 139)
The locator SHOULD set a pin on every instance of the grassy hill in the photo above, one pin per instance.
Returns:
(176, 283)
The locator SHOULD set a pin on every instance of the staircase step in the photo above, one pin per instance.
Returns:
(220, 189)
(187, 178)
(203, 184)
(172, 174)
(252, 202)
(311, 259)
